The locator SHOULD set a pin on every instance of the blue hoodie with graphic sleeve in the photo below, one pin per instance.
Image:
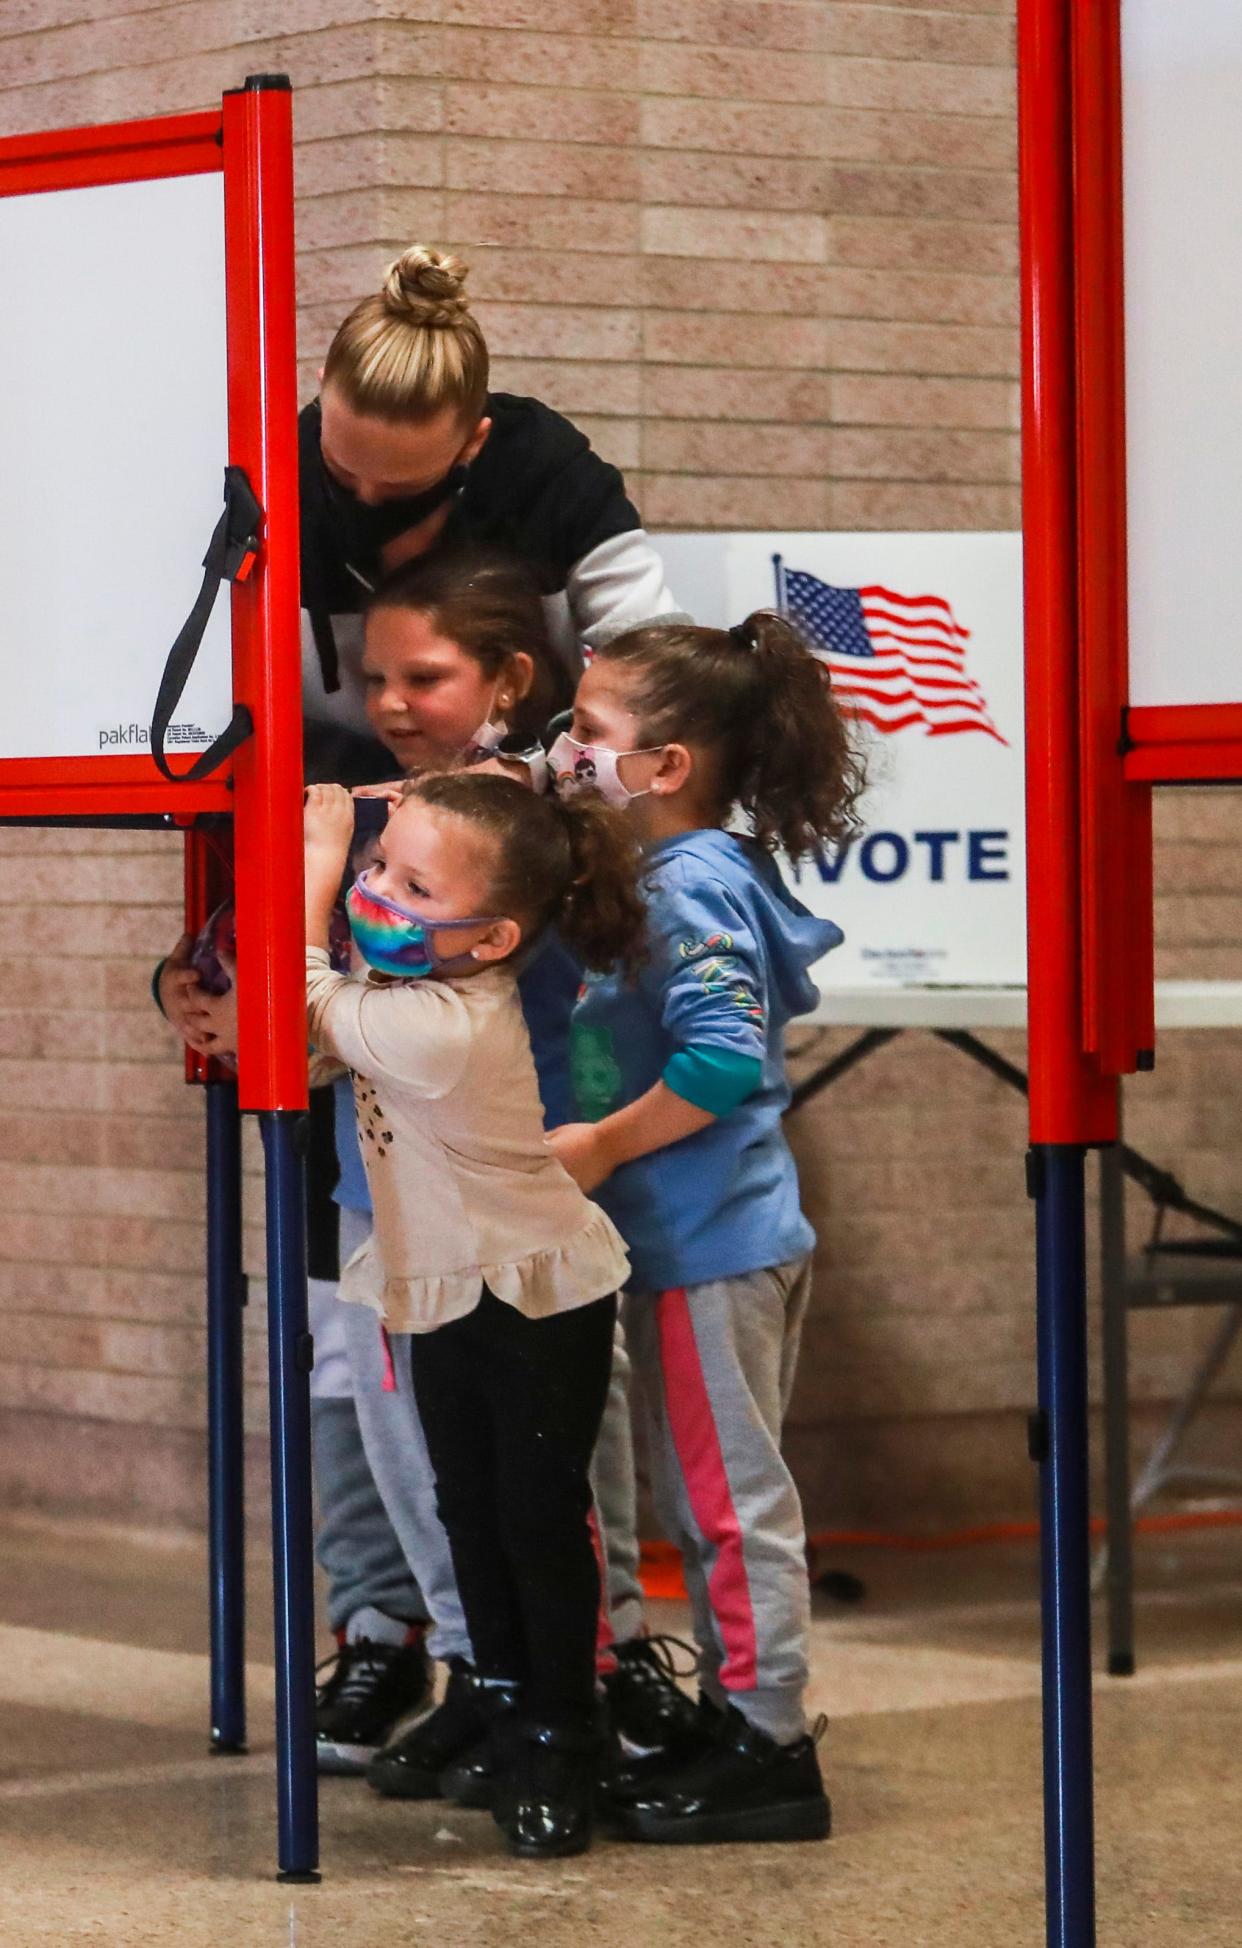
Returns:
(728, 967)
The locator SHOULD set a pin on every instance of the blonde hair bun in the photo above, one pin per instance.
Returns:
(424, 287)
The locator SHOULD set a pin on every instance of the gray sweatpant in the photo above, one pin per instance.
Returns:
(715, 1366)
(401, 1554)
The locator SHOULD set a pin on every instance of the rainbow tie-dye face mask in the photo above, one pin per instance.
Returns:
(396, 942)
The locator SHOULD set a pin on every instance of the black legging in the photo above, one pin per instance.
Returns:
(511, 1408)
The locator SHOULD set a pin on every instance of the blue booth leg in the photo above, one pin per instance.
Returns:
(290, 1357)
(226, 1476)
(1060, 1445)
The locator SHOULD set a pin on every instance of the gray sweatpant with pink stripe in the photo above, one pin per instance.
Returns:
(715, 1366)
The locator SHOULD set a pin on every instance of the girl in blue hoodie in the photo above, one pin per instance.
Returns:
(726, 746)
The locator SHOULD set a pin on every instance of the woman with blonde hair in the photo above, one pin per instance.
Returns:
(406, 450)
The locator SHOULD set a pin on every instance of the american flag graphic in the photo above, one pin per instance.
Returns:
(895, 659)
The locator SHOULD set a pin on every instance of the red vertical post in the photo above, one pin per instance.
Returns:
(267, 769)
(1071, 1102)
(1117, 922)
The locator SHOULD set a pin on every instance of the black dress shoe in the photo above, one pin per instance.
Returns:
(410, 1767)
(745, 1787)
(546, 1802)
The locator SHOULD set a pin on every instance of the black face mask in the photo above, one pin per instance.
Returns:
(365, 530)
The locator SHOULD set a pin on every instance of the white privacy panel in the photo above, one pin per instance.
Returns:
(114, 435)
(1182, 159)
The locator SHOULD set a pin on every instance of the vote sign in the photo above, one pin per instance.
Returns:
(923, 635)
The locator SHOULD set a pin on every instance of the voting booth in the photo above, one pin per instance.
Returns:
(149, 637)
(1130, 117)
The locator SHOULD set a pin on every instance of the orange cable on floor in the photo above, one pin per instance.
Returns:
(661, 1563)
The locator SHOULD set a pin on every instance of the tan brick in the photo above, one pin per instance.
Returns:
(577, 171)
(866, 399)
(50, 984)
(341, 162)
(725, 73)
(548, 60)
(925, 87)
(29, 1033)
(371, 103)
(730, 392)
(741, 128)
(535, 114)
(530, 331)
(746, 234)
(898, 33)
(890, 454)
(692, 338)
(883, 506)
(700, 284)
(893, 243)
(688, 446)
(31, 1083)
(143, 881)
(732, 23)
(922, 299)
(980, 196)
(1203, 815)
(572, 277)
(571, 17)
(159, 1088)
(949, 349)
(1201, 920)
(681, 501)
(542, 222)
(938, 141)
(733, 183)
(347, 215)
(572, 386)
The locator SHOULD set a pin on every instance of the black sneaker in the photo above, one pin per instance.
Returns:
(411, 1766)
(650, 1713)
(371, 1687)
(626, 1779)
(746, 1787)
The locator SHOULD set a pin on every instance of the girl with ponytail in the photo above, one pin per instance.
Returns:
(722, 747)
(484, 1250)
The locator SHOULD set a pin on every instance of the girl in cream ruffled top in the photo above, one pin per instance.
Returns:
(466, 1192)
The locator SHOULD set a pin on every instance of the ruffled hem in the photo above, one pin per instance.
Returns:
(590, 1265)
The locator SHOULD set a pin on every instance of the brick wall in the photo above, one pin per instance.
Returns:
(765, 252)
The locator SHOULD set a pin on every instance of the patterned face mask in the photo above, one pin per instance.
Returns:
(593, 767)
(396, 942)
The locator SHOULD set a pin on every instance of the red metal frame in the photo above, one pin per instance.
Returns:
(1071, 1100)
(1184, 743)
(267, 664)
(250, 140)
(1118, 945)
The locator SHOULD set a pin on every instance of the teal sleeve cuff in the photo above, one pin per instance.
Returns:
(155, 985)
(715, 1079)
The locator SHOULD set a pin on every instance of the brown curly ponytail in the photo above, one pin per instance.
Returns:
(757, 698)
(574, 866)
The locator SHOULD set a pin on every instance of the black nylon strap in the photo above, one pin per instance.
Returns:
(234, 539)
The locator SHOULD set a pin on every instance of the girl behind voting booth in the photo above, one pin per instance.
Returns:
(484, 1250)
(681, 1075)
